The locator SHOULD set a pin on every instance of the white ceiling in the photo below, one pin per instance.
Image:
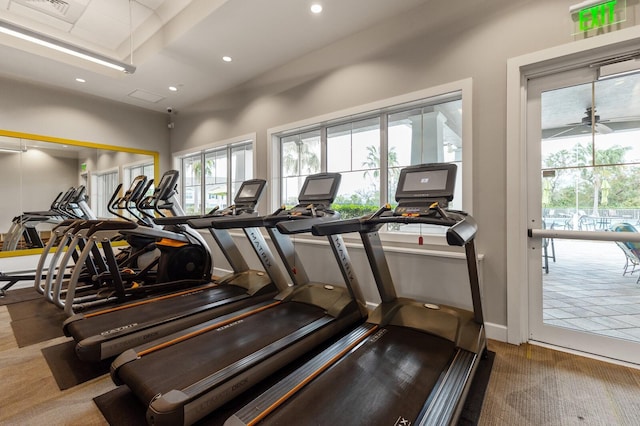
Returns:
(177, 42)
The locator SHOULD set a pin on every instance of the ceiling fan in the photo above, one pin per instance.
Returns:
(591, 116)
(584, 125)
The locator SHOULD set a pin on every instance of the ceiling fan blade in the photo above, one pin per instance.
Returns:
(561, 133)
(603, 129)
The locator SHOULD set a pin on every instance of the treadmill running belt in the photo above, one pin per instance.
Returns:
(154, 311)
(180, 365)
(385, 381)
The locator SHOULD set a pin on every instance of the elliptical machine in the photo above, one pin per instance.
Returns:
(184, 258)
(183, 255)
(67, 241)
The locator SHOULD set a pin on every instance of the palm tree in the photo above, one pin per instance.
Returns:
(298, 159)
(613, 155)
(372, 162)
(208, 168)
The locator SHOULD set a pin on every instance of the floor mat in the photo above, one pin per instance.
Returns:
(67, 369)
(35, 321)
(31, 308)
(19, 295)
(121, 407)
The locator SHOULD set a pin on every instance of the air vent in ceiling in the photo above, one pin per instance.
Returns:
(66, 10)
(146, 96)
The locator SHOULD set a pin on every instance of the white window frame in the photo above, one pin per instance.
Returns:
(204, 149)
(127, 168)
(465, 87)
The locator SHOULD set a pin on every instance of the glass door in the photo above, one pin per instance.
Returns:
(583, 154)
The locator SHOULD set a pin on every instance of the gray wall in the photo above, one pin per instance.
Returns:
(45, 174)
(46, 111)
(443, 41)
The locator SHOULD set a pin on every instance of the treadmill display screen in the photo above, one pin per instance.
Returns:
(321, 187)
(429, 181)
(250, 191)
(426, 181)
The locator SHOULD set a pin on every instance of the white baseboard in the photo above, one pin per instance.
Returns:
(219, 272)
(495, 331)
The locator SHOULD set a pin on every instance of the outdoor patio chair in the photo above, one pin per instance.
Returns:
(586, 223)
(631, 250)
(547, 245)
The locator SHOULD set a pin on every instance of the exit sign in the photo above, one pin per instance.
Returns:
(595, 15)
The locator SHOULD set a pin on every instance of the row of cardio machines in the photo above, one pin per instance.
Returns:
(79, 268)
(408, 362)
(25, 230)
(71, 204)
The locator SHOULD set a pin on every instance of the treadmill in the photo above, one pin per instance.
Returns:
(108, 332)
(412, 362)
(184, 377)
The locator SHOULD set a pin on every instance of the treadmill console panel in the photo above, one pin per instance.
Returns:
(316, 196)
(250, 192)
(320, 188)
(299, 210)
(427, 183)
(402, 210)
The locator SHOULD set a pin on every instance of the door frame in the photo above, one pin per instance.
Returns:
(560, 58)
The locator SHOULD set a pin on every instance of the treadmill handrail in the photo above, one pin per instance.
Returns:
(238, 223)
(202, 222)
(462, 227)
(344, 226)
(271, 220)
(302, 224)
(174, 220)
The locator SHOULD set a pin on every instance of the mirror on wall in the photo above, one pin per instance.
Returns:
(38, 172)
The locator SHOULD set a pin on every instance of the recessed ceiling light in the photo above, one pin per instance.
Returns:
(316, 8)
(227, 58)
(81, 80)
(173, 88)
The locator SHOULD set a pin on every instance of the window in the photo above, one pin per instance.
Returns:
(241, 165)
(353, 150)
(131, 172)
(104, 185)
(210, 178)
(300, 158)
(370, 149)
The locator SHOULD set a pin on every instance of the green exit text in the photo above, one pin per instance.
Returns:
(597, 16)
